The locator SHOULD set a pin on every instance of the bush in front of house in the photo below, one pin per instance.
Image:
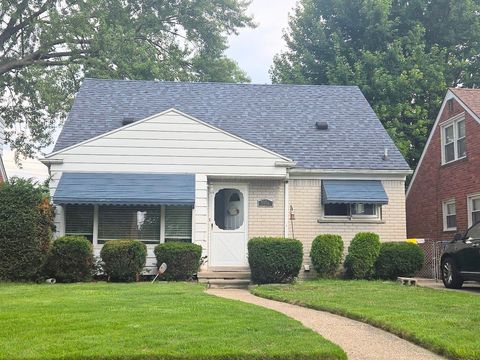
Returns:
(70, 259)
(362, 255)
(398, 259)
(326, 254)
(182, 259)
(274, 259)
(26, 223)
(123, 260)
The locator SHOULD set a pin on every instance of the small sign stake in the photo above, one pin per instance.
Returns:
(160, 271)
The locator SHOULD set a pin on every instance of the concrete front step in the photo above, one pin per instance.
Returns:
(223, 275)
(225, 279)
(227, 284)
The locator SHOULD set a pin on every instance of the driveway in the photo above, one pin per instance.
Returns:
(360, 341)
(468, 286)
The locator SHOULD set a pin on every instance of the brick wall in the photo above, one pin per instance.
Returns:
(266, 221)
(305, 197)
(435, 183)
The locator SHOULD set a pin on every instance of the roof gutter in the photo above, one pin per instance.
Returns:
(398, 172)
(286, 164)
(48, 162)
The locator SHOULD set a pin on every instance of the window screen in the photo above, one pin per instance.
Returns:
(178, 223)
(79, 220)
(354, 210)
(129, 222)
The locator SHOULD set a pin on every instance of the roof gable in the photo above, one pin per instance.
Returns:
(469, 99)
(280, 118)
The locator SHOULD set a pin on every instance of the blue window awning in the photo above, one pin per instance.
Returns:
(353, 191)
(125, 189)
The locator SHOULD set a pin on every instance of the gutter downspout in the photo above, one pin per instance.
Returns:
(286, 203)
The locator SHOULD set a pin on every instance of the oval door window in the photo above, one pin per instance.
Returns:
(229, 209)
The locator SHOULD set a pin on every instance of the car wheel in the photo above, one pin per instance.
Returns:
(450, 276)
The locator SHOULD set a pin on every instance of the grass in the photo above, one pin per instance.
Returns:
(146, 321)
(445, 322)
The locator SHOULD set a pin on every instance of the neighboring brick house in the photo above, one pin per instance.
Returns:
(444, 195)
(217, 164)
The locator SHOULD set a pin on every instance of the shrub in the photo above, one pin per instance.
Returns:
(70, 259)
(274, 260)
(182, 259)
(26, 223)
(398, 259)
(326, 254)
(123, 260)
(362, 255)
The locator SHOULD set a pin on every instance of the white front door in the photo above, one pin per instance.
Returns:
(228, 225)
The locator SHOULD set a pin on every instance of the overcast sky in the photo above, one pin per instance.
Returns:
(253, 49)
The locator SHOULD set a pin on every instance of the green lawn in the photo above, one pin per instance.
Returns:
(146, 321)
(445, 322)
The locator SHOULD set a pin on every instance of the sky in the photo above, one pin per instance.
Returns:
(253, 49)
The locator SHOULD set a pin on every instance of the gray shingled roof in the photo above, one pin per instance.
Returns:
(278, 117)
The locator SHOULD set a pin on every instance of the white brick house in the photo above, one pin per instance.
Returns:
(218, 164)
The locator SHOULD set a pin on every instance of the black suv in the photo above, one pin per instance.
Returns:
(461, 259)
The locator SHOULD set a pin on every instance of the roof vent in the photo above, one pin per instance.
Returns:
(321, 125)
(127, 120)
(385, 156)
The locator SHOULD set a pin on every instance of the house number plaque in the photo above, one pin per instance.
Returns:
(265, 203)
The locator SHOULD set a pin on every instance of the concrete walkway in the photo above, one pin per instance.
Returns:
(360, 341)
(468, 287)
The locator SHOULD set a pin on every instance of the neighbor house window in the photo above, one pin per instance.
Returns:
(474, 209)
(129, 222)
(453, 140)
(178, 223)
(357, 210)
(79, 220)
(449, 216)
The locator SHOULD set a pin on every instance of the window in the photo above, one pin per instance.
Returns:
(79, 220)
(229, 209)
(357, 210)
(178, 223)
(474, 209)
(129, 222)
(453, 140)
(449, 216)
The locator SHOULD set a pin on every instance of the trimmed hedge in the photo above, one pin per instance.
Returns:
(362, 255)
(123, 260)
(398, 259)
(182, 259)
(326, 254)
(26, 223)
(70, 259)
(274, 260)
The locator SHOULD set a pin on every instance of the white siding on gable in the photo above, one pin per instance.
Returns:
(170, 143)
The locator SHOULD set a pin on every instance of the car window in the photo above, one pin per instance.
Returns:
(474, 232)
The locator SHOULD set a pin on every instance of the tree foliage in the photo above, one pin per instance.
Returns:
(402, 54)
(48, 46)
(26, 223)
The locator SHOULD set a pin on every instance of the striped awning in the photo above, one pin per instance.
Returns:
(353, 191)
(125, 189)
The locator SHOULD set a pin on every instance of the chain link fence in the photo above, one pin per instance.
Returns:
(433, 250)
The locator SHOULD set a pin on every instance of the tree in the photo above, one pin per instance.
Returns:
(48, 46)
(402, 54)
